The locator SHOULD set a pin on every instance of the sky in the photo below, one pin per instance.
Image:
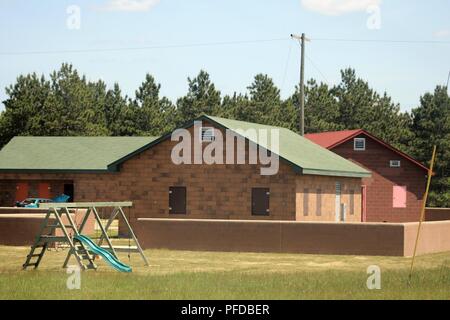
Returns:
(405, 52)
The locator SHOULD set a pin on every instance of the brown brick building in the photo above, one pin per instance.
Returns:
(395, 190)
(311, 183)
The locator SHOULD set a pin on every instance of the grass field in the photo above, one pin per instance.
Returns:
(213, 275)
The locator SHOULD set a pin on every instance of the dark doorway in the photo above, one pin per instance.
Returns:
(69, 191)
(260, 201)
(177, 200)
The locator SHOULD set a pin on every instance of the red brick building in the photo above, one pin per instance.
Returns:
(395, 190)
(311, 183)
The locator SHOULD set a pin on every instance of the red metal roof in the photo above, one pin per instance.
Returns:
(332, 139)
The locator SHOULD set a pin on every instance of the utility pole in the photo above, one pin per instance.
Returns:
(302, 39)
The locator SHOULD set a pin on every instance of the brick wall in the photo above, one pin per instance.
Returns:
(379, 239)
(380, 186)
(325, 189)
(437, 214)
(272, 236)
(21, 229)
(213, 191)
(8, 187)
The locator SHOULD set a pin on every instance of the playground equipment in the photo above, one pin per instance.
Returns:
(84, 249)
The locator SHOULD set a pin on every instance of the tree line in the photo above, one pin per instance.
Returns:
(67, 104)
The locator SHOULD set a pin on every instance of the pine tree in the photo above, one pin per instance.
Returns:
(154, 114)
(264, 101)
(202, 98)
(431, 126)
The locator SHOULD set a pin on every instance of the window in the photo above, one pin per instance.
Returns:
(352, 202)
(260, 201)
(359, 144)
(319, 202)
(177, 200)
(305, 202)
(395, 163)
(399, 197)
(207, 134)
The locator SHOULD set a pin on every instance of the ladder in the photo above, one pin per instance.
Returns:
(52, 222)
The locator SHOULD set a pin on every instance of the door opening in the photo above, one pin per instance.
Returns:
(21, 191)
(69, 191)
(44, 190)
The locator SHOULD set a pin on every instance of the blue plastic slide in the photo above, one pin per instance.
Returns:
(105, 254)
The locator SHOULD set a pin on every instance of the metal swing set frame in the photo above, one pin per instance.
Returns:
(54, 220)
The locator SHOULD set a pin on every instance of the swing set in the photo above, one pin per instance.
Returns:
(84, 249)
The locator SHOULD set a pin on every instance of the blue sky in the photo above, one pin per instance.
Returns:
(404, 70)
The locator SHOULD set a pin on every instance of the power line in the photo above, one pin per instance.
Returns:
(399, 41)
(212, 44)
(318, 70)
(286, 66)
(170, 46)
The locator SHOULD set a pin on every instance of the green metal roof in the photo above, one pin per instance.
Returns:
(107, 153)
(67, 153)
(307, 156)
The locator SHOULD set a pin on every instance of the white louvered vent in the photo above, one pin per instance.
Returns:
(395, 163)
(207, 134)
(360, 144)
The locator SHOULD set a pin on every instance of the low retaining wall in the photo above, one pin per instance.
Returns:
(17, 210)
(384, 239)
(434, 237)
(20, 229)
(437, 214)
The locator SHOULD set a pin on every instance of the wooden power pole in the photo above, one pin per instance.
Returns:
(302, 40)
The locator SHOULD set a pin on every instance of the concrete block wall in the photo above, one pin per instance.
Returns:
(437, 214)
(21, 229)
(369, 239)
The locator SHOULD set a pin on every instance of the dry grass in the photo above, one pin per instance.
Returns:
(199, 275)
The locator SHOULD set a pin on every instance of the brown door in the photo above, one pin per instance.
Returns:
(44, 190)
(177, 200)
(260, 201)
(21, 191)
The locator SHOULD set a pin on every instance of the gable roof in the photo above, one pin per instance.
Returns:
(67, 153)
(89, 154)
(305, 156)
(333, 139)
